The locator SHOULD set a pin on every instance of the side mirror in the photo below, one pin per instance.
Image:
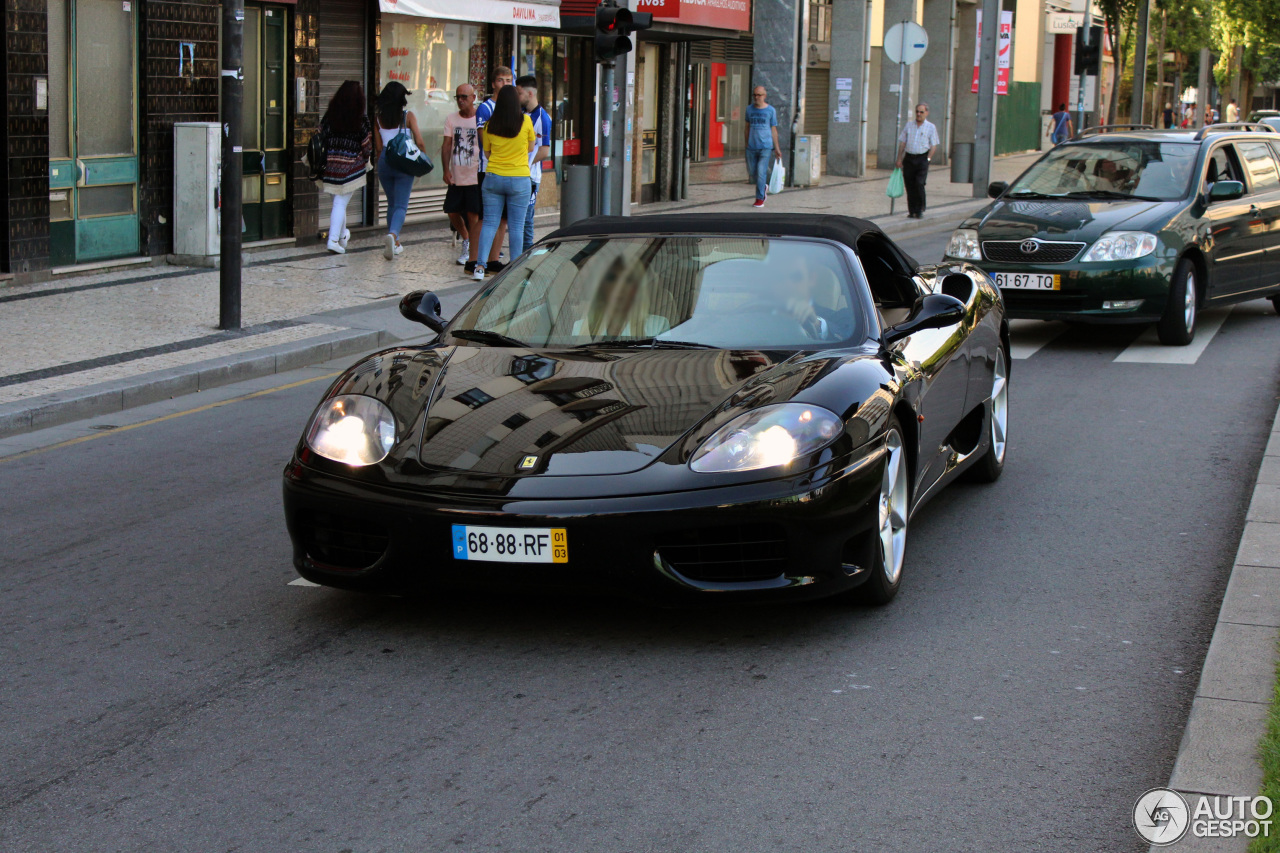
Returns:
(1225, 190)
(996, 188)
(423, 306)
(932, 311)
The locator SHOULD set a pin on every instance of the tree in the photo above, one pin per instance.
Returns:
(1118, 16)
(1246, 34)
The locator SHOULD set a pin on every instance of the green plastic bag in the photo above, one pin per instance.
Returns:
(895, 188)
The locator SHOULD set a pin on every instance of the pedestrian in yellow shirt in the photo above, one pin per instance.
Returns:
(508, 139)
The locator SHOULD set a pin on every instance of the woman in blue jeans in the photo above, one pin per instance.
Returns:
(394, 119)
(508, 139)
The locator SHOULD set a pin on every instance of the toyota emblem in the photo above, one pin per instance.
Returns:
(1029, 247)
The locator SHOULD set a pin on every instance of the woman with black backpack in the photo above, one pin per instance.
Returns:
(393, 120)
(348, 142)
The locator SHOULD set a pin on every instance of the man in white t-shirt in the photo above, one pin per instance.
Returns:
(484, 112)
(528, 88)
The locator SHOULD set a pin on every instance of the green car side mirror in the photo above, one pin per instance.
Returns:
(1225, 190)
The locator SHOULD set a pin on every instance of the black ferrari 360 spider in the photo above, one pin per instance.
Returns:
(672, 406)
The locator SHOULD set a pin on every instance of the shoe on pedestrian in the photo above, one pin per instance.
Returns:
(758, 203)
(399, 250)
(345, 238)
(466, 252)
(469, 267)
(478, 274)
(336, 248)
(495, 266)
(389, 250)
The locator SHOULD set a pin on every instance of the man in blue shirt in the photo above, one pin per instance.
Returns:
(762, 142)
(528, 88)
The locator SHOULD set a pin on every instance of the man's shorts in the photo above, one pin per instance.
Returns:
(463, 200)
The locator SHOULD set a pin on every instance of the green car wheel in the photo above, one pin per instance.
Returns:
(1178, 325)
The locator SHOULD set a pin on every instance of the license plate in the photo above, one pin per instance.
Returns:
(510, 544)
(1028, 281)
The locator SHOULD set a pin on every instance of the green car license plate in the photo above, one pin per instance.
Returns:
(1028, 281)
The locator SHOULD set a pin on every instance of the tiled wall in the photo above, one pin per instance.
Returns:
(26, 143)
(172, 89)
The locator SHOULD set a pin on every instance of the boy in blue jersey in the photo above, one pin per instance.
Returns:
(484, 112)
(528, 87)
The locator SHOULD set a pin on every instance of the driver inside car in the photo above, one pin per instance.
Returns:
(809, 293)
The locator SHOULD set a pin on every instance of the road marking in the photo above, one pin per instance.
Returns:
(303, 582)
(168, 417)
(1147, 349)
(1028, 336)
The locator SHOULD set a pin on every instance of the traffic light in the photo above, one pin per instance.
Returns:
(614, 25)
(1089, 56)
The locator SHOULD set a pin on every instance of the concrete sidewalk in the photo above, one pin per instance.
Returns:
(95, 344)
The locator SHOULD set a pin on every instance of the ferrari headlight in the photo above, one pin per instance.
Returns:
(964, 244)
(1121, 246)
(767, 437)
(354, 429)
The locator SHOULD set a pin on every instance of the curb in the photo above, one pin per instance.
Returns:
(50, 410)
(1219, 750)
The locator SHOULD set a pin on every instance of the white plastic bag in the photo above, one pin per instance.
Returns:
(777, 178)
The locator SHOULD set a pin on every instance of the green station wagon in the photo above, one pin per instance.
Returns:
(1135, 226)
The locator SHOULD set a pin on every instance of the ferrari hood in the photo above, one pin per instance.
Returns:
(510, 412)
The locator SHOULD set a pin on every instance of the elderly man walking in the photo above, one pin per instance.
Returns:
(916, 144)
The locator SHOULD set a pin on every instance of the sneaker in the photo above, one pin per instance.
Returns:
(399, 249)
(469, 267)
(389, 250)
(758, 203)
(494, 266)
(345, 238)
(478, 275)
(336, 248)
(466, 252)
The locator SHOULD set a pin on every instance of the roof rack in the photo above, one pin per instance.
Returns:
(1107, 128)
(1225, 127)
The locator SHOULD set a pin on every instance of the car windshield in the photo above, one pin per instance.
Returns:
(1111, 169)
(724, 291)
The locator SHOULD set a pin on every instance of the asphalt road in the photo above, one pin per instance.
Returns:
(165, 688)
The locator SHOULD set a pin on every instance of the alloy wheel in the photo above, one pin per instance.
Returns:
(893, 508)
(1000, 406)
(1189, 305)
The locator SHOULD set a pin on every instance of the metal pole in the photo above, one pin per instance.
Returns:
(1084, 77)
(606, 127)
(232, 167)
(984, 132)
(1136, 108)
(902, 82)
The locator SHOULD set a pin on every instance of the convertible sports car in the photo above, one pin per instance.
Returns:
(675, 407)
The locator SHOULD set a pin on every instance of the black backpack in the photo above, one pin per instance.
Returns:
(318, 153)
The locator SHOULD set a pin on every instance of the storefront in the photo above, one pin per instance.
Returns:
(433, 46)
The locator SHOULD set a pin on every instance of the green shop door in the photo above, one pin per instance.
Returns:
(93, 151)
(266, 160)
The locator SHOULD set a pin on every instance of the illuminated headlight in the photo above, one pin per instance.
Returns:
(767, 437)
(1122, 246)
(353, 429)
(964, 244)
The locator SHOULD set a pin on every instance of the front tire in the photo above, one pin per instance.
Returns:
(989, 468)
(1177, 327)
(890, 537)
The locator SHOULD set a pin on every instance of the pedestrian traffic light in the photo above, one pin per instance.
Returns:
(614, 25)
(1088, 56)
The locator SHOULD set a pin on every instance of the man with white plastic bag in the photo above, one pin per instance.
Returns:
(762, 144)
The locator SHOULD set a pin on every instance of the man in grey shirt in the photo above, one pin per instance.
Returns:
(916, 144)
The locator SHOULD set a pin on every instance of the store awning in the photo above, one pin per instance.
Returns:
(523, 13)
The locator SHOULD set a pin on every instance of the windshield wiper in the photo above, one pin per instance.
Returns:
(1029, 194)
(644, 343)
(1108, 194)
(486, 337)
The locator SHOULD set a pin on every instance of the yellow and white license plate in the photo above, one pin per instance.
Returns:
(1028, 281)
(510, 544)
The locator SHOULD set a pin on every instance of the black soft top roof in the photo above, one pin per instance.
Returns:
(841, 229)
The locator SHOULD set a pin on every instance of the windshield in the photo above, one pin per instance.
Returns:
(1117, 168)
(720, 291)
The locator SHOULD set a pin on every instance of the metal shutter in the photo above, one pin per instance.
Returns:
(342, 57)
(817, 82)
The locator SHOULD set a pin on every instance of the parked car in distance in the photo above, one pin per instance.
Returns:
(1133, 225)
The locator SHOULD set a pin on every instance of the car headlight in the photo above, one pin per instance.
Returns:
(767, 437)
(964, 244)
(353, 429)
(1122, 246)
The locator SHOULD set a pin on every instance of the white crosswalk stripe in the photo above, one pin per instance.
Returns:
(1026, 337)
(1147, 349)
(302, 582)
